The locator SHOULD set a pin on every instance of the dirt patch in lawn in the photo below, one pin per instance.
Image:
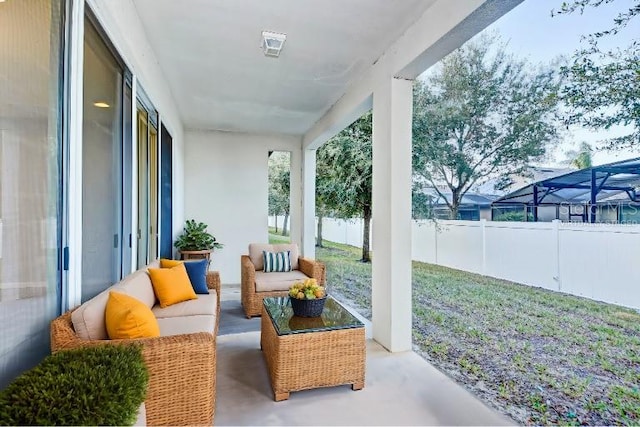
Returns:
(540, 357)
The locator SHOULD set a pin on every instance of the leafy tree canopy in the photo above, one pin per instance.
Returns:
(345, 171)
(480, 114)
(279, 183)
(345, 161)
(603, 85)
(581, 158)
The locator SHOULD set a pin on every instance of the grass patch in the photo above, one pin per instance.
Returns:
(540, 357)
(277, 238)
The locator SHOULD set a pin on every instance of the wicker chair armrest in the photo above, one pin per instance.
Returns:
(63, 337)
(173, 361)
(311, 268)
(247, 274)
(213, 282)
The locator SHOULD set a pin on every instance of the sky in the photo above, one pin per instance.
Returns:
(531, 33)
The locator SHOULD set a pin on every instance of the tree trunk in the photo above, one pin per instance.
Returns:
(285, 224)
(453, 212)
(319, 232)
(365, 234)
(455, 204)
(276, 218)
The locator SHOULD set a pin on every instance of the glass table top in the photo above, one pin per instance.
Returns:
(334, 316)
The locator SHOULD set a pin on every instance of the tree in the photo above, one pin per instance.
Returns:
(581, 158)
(480, 114)
(603, 85)
(326, 189)
(346, 168)
(279, 187)
(421, 203)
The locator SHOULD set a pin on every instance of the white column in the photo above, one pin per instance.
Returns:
(295, 210)
(73, 202)
(391, 222)
(309, 203)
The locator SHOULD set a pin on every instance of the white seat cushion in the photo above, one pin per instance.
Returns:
(268, 282)
(203, 305)
(186, 325)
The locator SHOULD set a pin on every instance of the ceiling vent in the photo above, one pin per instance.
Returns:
(272, 43)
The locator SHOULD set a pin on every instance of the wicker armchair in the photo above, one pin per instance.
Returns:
(252, 298)
(182, 369)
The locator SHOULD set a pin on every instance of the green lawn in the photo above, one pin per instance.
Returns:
(538, 356)
(277, 238)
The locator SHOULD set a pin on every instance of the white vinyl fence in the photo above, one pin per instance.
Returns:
(348, 232)
(596, 261)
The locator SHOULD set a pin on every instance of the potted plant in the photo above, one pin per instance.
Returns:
(195, 241)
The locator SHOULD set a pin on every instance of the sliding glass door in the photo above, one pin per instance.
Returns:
(147, 182)
(103, 157)
(30, 180)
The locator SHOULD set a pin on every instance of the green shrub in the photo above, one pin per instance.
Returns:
(512, 216)
(103, 385)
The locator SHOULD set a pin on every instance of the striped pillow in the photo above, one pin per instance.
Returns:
(276, 261)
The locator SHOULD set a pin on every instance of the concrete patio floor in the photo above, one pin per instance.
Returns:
(400, 389)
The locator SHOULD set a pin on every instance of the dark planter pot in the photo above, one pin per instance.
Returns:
(307, 307)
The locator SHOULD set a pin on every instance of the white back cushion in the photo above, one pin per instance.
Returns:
(88, 319)
(255, 253)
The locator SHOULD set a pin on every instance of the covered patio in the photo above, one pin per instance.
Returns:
(227, 105)
(196, 74)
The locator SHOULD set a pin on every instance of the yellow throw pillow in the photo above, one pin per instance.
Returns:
(129, 318)
(168, 263)
(171, 285)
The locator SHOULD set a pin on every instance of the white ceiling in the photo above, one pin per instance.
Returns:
(209, 52)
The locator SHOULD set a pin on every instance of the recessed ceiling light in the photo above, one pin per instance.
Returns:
(272, 43)
(101, 104)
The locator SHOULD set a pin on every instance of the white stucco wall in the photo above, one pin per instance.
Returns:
(226, 187)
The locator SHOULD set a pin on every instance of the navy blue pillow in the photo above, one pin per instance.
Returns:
(197, 272)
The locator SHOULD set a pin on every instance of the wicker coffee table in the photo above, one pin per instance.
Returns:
(304, 353)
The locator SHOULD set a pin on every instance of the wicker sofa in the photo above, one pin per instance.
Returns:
(181, 361)
(257, 285)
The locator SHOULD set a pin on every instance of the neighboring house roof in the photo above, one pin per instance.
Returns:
(613, 181)
(469, 199)
(484, 195)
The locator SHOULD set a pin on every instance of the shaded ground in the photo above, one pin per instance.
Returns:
(539, 356)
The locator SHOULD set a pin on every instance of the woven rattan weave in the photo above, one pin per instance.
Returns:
(252, 300)
(182, 369)
(320, 356)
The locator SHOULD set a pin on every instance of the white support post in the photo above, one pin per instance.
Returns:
(309, 203)
(555, 224)
(74, 185)
(391, 221)
(296, 209)
(483, 227)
